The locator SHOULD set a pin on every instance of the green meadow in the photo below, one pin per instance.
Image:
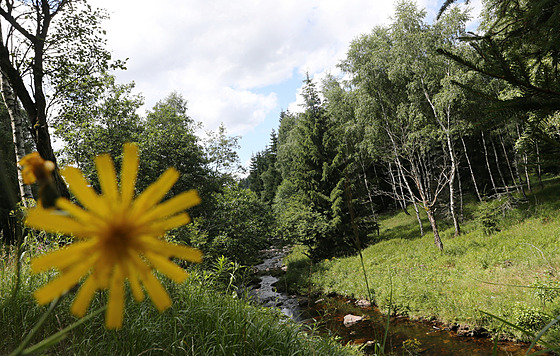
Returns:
(510, 272)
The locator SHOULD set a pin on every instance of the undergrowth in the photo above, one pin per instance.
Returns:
(201, 321)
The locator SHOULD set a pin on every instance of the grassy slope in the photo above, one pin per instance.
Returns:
(451, 285)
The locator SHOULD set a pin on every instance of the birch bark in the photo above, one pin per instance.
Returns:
(17, 120)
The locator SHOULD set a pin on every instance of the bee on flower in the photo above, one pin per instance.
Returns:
(118, 238)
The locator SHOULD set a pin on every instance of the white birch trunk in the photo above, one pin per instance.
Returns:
(17, 120)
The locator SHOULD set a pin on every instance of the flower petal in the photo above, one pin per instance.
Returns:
(187, 253)
(171, 223)
(61, 258)
(171, 250)
(129, 172)
(28, 176)
(61, 284)
(81, 189)
(115, 307)
(167, 267)
(172, 206)
(155, 192)
(157, 293)
(83, 298)
(134, 282)
(51, 221)
(107, 177)
(82, 215)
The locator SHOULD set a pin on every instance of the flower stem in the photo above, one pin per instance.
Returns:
(55, 338)
(36, 328)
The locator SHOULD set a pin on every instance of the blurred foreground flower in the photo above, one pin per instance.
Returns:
(37, 169)
(118, 238)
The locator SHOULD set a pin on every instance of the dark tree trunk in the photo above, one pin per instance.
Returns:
(35, 106)
(471, 170)
(488, 163)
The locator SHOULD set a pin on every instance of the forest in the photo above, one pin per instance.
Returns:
(425, 115)
(430, 134)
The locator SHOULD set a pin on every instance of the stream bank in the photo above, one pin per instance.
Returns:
(357, 322)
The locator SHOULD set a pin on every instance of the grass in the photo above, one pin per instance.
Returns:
(201, 321)
(511, 273)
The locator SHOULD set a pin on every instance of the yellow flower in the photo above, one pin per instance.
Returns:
(36, 168)
(118, 238)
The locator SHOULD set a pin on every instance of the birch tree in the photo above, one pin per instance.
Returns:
(48, 47)
(17, 120)
(402, 81)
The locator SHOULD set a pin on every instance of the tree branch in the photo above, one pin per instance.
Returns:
(17, 26)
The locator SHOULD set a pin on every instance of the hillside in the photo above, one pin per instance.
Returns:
(510, 272)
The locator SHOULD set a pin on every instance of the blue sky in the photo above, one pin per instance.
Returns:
(237, 62)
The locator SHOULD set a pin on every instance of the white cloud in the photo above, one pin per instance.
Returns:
(219, 53)
(239, 110)
(223, 56)
(313, 62)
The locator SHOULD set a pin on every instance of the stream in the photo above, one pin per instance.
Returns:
(266, 294)
(357, 322)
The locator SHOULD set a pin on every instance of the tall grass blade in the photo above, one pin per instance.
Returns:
(541, 333)
(57, 337)
(531, 335)
(36, 328)
(387, 324)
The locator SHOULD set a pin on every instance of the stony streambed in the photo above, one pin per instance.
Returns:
(265, 292)
(358, 322)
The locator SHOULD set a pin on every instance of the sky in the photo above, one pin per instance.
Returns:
(238, 62)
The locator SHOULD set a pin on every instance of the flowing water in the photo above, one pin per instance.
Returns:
(266, 294)
(405, 337)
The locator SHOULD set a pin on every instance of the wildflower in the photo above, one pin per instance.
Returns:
(36, 168)
(118, 238)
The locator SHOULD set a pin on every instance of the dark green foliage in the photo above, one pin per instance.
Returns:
(256, 170)
(99, 123)
(238, 226)
(311, 203)
(520, 46)
(168, 139)
(547, 290)
(228, 277)
(264, 176)
(488, 216)
(297, 221)
(528, 318)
